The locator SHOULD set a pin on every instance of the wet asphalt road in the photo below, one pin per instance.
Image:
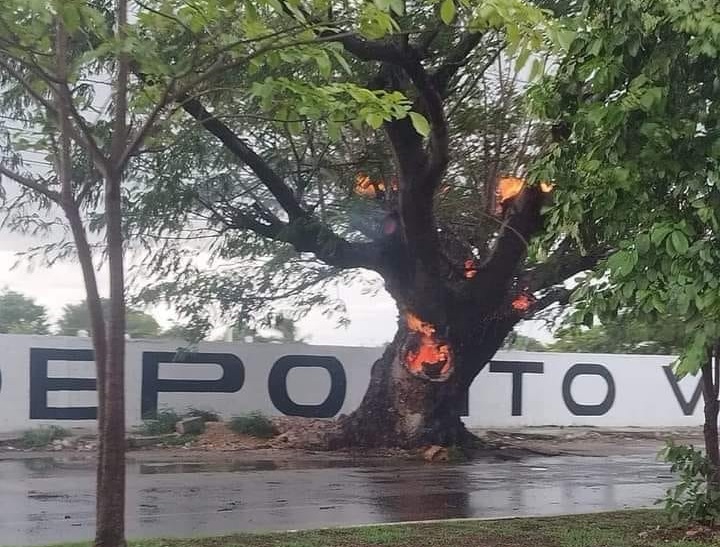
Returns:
(46, 500)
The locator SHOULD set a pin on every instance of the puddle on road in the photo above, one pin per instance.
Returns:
(153, 468)
(51, 466)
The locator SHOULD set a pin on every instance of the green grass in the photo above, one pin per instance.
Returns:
(621, 529)
(162, 423)
(206, 415)
(43, 436)
(253, 424)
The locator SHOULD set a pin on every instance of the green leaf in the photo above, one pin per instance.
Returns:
(659, 234)
(643, 243)
(447, 11)
(679, 241)
(420, 123)
(374, 120)
(324, 64)
(522, 59)
(536, 69)
(565, 38)
(398, 6)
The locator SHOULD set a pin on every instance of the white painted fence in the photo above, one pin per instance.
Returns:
(50, 380)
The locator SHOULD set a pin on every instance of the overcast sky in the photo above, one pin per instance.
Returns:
(373, 318)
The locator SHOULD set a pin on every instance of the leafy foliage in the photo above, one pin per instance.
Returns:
(625, 334)
(75, 318)
(516, 341)
(635, 102)
(690, 500)
(21, 315)
(162, 423)
(254, 424)
(223, 246)
(42, 436)
(206, 415)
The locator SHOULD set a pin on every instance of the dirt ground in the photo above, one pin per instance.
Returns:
(217, 443)
(590, 441)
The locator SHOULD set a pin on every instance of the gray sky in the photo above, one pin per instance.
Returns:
(373, 318)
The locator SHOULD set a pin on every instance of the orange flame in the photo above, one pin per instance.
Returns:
(546, 187)
(425, 355)
(470, 269)
(522, 302)
(508, 188)
(366, 187)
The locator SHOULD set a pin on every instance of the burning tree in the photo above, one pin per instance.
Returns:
(296, 187)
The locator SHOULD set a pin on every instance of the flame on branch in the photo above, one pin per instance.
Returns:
(508, 188)
(511, 187)
(374, 189)
(546, 187)
(523, 302)
(425, 354)
(470, 268)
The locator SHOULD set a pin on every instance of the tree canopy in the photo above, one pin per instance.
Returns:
(277, 183)
(75, 318)
(20, 314)
(636, 103)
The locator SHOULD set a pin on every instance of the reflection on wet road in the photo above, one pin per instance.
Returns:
(52, 499)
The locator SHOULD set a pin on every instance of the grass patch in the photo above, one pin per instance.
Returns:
(206, 415)
(254, 424)
(43, 436)
(162, 423)
(620, 529)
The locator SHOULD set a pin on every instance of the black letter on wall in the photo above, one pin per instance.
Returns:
(688, 407)
(231, 381)
(40, 384)
(591, 370)
(277, 386)
(517, 369)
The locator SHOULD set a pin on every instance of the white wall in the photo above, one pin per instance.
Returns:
(643, 393)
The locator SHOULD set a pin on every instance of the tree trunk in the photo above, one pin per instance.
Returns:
(711, 383)
(403, 410)
(110, 524)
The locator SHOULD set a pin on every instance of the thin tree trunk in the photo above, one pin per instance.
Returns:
(710, 382)
(110, 526)
(71, 208)
(97, 329)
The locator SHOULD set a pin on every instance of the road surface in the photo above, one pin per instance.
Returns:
(51, 499)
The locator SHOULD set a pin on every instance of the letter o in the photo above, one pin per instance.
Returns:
(588, 369)
(277, 386)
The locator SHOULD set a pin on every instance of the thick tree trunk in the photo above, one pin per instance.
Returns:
(403, 410)
(711, 383)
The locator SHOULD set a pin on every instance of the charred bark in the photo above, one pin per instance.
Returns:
(402, 409)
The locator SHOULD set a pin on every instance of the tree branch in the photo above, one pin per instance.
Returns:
(555, 295)
(309, 235)
(523, 220)
(456, 58)
(30, 184)
(274, 183)
(303, 231)
(566, 261)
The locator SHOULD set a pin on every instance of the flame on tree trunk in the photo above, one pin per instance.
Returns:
(416, 410)
(450, 326)
(458, 300)
(424, 353)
